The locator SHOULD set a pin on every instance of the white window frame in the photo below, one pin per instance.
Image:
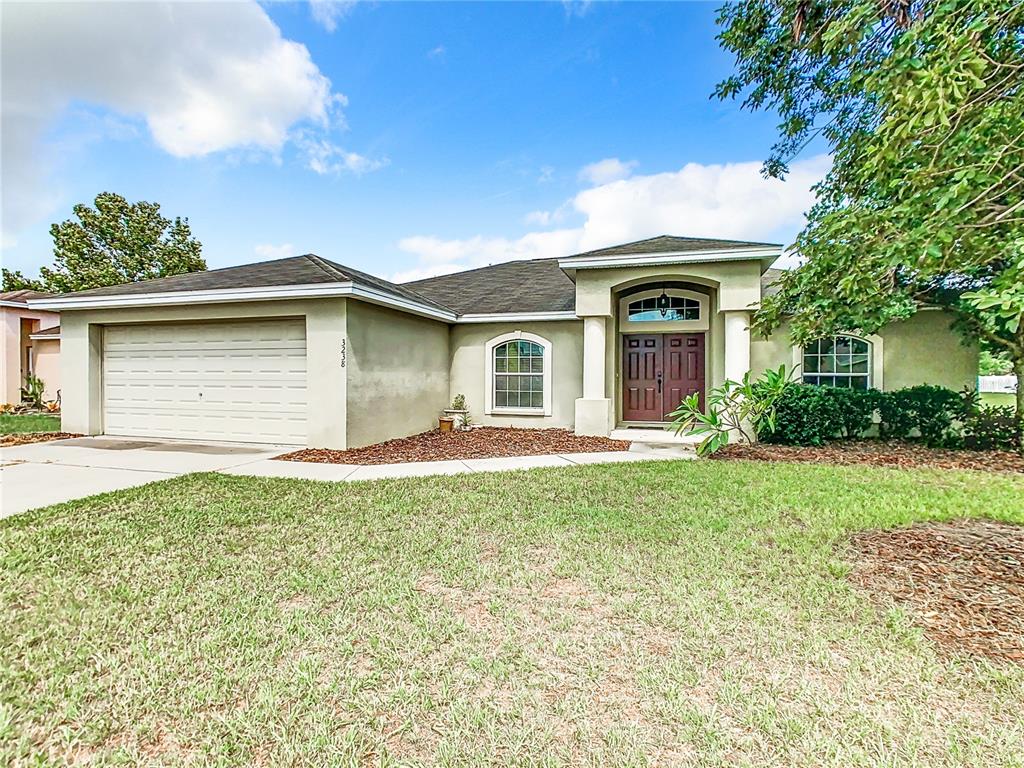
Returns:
(876, 347)
(702, 323)
(545, 345)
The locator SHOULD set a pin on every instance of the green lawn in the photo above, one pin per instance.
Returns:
(999, 398)
(28, 422)
(648, 614)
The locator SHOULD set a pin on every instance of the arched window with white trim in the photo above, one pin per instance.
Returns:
(839, 361)
(518, 375)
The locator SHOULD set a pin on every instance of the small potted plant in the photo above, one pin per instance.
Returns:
(458, 413)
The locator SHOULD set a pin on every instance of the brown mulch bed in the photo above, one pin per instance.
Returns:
(24, 438)
(879, 453)
(476, 443)
(962, 581)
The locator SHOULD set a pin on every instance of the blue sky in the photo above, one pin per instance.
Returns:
(405, 139)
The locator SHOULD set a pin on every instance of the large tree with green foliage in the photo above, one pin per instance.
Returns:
(922, 106)
(118, 242)
(13, 280)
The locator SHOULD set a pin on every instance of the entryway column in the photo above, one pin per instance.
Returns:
(593, 358)
(594, 411)
(737, 344)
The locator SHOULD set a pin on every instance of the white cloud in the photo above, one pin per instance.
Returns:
(436, 52)
(729, 201)
(578, 8)
(547, 173)
(323, 157)
(202, 77)
(607, 170)
(271, 251)
(327, 13)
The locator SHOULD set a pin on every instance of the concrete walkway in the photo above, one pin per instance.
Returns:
(352, 472)
(41, 474)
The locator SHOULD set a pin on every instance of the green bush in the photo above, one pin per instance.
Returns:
(929, 409)
(814, 415)
(807, 414)
(992, 428)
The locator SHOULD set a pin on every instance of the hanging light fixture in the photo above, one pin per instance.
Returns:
(663, 302)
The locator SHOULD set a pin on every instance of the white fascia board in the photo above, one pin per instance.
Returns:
(516, 317)
(672, 257)
(376, 296)
(229, 295)
(44, 336)
(14, 304)
(217, 296)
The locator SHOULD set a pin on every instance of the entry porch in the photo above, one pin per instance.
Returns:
(654, 334)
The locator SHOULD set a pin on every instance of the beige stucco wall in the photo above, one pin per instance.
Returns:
(468, 369)
(81, 358)
(920, 350)
(48, 365)
(397, 369)
(11, 351)
(737, 282)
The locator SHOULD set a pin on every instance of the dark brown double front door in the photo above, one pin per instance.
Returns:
(658, 371)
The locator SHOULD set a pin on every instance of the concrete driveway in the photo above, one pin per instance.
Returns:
(41, 474)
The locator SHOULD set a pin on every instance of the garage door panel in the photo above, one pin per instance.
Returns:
(215, 381)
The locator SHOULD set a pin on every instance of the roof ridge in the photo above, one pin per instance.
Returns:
(327, 267)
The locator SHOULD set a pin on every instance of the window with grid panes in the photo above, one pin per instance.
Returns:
(519, 375)
(839, 361)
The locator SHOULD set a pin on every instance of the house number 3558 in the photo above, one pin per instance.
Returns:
(344, 353)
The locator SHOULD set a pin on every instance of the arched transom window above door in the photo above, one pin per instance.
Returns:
(664, 307)
(661, 309)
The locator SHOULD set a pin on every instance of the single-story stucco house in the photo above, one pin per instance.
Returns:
(306, 351)
(29, 345)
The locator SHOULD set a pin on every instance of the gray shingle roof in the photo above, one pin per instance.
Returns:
(515, 286)
(768, 280)
(533, 286)
(54, 331)
(22, 296)
(672, 244)
(294, 270)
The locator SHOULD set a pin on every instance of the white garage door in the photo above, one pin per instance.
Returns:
(242, 381)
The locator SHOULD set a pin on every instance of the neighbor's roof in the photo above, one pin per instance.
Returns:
(22, 296)
(294, 270)
(54, 331)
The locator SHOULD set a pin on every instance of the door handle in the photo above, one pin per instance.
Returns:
(659, 382)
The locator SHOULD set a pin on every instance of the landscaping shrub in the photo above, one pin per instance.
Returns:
(929, 409)
(807, 415)
(813, 415)
(855, 409)
(992, 428)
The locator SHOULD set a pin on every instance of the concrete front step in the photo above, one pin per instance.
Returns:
(657, 441)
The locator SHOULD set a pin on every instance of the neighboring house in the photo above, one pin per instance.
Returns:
(307, 351)
(30, 345)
